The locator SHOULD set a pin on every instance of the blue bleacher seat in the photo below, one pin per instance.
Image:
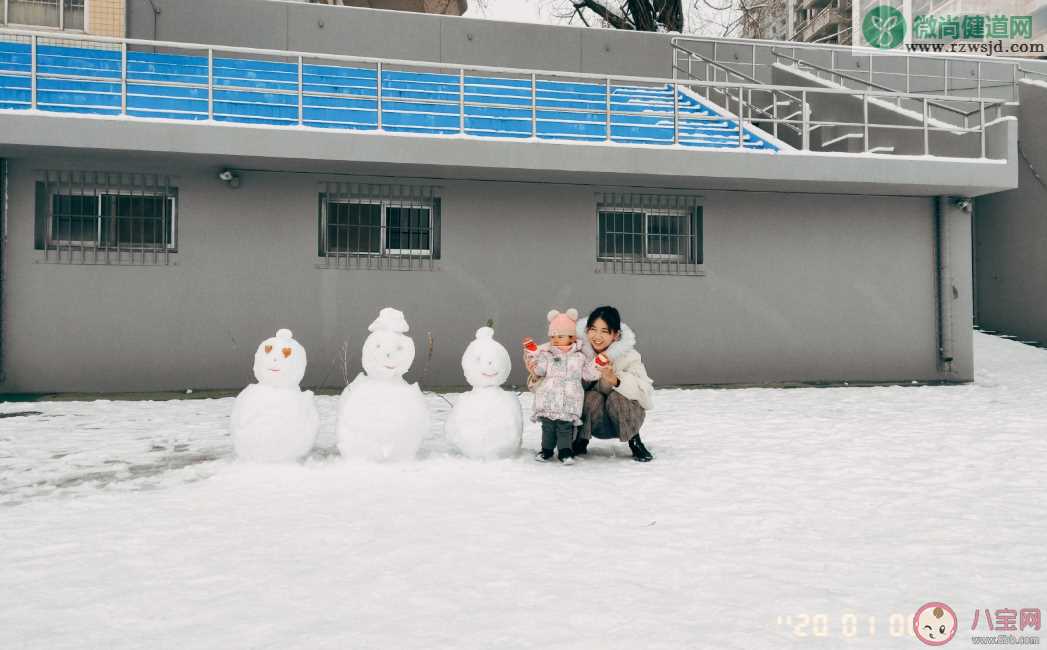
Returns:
(256, 91)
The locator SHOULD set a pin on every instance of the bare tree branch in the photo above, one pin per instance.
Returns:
(611, 18)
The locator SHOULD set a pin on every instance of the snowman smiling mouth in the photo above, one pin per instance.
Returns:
(489, 374)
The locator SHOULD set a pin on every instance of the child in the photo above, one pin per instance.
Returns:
(558, 398)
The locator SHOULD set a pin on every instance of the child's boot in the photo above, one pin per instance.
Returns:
(544, 455)
(567, 456)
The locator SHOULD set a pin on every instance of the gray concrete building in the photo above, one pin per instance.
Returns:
(153, 253)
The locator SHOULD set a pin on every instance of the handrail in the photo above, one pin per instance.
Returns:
(851, 49)
(873, 84)
(457, 91)
(872, 54)
(729, 71)
(1035, 72)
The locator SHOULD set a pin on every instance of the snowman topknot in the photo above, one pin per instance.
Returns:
(389, 320)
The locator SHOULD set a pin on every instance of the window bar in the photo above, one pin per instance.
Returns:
(49, 216)
(78, 183)
(61, 14)
(431, 228)
(619, 258)
(170, 231)
(641, 240)
(301, 90)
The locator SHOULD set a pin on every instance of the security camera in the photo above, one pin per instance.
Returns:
(230, 177)
(963, 204)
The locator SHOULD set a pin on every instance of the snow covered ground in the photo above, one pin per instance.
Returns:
(127, 525)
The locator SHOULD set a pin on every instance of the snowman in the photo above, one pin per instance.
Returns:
(381, 416)
(274, 420)
(486, 422)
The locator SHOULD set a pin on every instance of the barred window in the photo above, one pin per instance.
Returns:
(379, 226)
(649, 234)
(106, 218)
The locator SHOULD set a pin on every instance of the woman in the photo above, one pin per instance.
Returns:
(615, 404)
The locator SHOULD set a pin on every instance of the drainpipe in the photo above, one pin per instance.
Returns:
(3, 262)
(944, 288)
(156, 18)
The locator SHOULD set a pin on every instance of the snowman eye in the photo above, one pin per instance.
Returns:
(941, 630)
(287, 353)
(268, 349)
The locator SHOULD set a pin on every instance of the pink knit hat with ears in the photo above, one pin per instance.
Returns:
(563, 324)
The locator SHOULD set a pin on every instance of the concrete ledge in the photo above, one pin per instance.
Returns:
(466, 157)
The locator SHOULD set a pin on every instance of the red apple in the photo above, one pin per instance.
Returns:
(530, 345)
(602, 360)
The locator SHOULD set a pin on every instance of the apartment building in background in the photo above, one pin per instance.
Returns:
(96, 17)
(109, 17)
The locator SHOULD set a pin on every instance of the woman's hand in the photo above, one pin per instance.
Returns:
(607, 374)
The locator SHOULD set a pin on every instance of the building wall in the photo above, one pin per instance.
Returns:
(363, 32)
(798, 287)
(1011, 235)
(106, 18)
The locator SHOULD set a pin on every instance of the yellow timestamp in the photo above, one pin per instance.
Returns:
(848, 625)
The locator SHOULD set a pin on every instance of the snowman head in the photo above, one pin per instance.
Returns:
(280, 361)
(486, 361)
(388, 353)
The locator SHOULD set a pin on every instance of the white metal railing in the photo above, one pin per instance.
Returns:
(963, 116)
(793, 98)
(948, 81)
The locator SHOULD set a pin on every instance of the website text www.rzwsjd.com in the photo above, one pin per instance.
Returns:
(984, 47)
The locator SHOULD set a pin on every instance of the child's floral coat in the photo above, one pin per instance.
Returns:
(559, 396)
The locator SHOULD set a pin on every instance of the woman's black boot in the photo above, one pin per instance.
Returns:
(640, 453)
(580, 446)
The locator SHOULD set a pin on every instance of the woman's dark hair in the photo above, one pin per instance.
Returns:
(608, 315)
